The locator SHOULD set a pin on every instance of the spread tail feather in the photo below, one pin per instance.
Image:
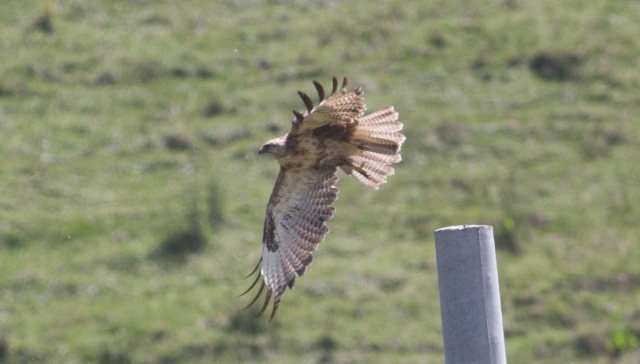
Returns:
(385, 120)
(377, 142)
(378, 146)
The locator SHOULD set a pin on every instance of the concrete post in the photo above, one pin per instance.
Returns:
(469, 295)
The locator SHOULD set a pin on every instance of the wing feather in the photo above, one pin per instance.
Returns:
(341, 107)
(294, 226)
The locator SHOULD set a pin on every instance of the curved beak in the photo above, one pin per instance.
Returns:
(261, 150)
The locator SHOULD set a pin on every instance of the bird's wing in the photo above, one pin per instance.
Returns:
(342, 106)
(294, 226)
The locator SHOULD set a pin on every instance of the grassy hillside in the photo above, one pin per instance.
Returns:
(132, 196)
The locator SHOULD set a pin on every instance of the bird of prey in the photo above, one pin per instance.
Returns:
(322, 138)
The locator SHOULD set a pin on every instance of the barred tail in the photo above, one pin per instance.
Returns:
(378, 146)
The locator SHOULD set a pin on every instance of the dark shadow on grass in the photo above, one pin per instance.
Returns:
(506, 238)
(4, 349)
(11, 240)
(554, 66)
(114, 357)
(175, 248)
(44, 21)
(327, 345)
(245, 322)
(177, 141)
(214, 107)
(215, 204)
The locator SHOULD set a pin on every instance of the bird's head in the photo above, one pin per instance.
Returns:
(275, 147)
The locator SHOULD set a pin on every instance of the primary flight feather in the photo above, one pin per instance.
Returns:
(322, 138)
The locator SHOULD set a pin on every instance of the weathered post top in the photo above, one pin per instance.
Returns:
(469, 295)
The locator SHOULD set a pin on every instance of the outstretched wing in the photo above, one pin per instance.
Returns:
(294, 226)
(340, 107)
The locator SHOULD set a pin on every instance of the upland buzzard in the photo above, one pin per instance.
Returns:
(322, 138)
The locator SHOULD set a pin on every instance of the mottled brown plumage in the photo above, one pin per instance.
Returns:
(322, 138)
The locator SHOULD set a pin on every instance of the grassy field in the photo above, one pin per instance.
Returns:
(132, 197)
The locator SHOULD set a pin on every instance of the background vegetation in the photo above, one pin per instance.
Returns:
(132, 197)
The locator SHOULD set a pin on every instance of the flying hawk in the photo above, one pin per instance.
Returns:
(322, 138)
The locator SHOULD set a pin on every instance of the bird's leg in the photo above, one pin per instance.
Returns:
(360, 169)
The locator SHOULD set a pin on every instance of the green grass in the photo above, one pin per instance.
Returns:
(129, 130)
